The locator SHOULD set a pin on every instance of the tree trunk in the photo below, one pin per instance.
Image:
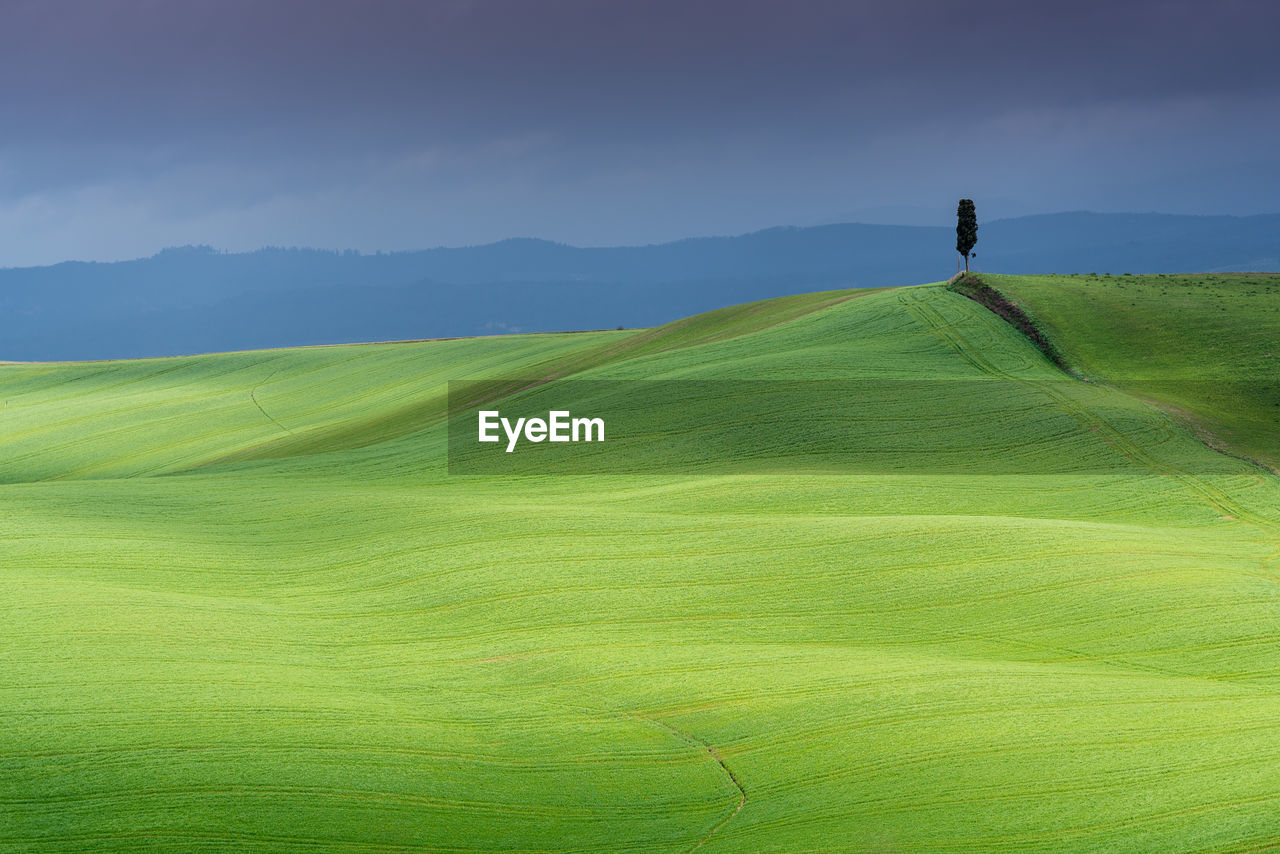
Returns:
(966, 263)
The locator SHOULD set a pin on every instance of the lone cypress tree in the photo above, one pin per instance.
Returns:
(966, 229)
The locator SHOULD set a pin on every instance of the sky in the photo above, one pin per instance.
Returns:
(130, 125)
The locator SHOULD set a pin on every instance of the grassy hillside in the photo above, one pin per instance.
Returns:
(1206, 347)
(155, 416)
(246, 608)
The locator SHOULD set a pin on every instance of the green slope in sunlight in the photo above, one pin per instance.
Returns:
(246, 608)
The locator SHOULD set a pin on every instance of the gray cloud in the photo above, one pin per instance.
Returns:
(127, 125)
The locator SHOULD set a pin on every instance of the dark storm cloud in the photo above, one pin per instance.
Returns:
(132, 123)
(122, 64)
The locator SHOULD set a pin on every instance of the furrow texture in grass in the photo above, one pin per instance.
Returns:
(246, 607)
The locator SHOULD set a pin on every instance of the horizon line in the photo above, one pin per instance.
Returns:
(208, 249)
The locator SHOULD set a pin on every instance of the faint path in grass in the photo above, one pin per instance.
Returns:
(917, 303)
(253, 395)
(686, 737)
(692, 740)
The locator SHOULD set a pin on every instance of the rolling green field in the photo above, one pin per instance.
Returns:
(246, 608)
(1206, 347)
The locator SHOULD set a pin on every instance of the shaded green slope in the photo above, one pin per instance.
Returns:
(430, 405)
(152, 416)
(110, 419)
(349, 650)
(1204, 347)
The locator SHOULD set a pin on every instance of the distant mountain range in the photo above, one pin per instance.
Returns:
(197, 299)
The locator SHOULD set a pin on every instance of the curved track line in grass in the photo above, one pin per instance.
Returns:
(1215, 497)
(688, 738)
(253, 395)
(929, 315)
(692, 740)
(982, 292)
(742, 797)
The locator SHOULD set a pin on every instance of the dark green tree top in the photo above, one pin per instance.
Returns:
(966, 229)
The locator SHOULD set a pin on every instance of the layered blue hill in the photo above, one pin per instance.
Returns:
(196, 299)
